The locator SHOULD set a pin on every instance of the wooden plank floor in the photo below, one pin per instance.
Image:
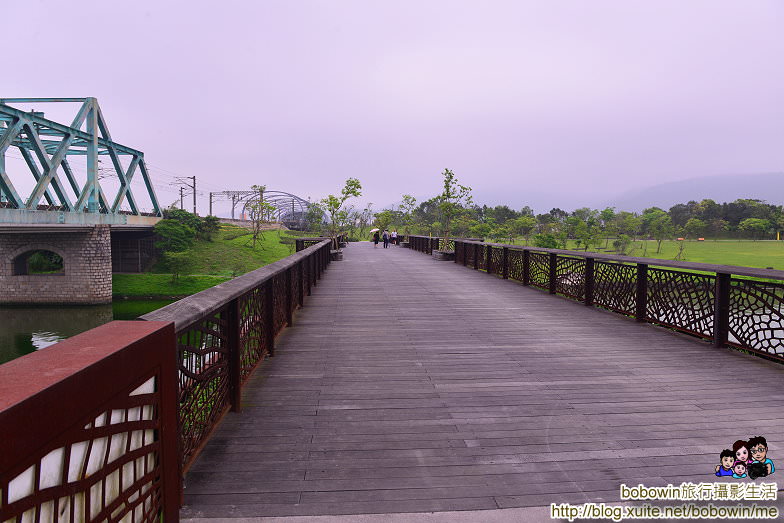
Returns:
(411, 385)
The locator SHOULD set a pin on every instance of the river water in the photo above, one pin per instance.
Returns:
(26, 329)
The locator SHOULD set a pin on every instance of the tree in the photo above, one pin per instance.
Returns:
(314, 217)
(628, 223)
(694, 228)
(178, 263)
(384, 218)
(209, 226)
(333, 205)
(621, 244)
(259, 212)
(184, 217)
(524, 226)
(586, 234)
(609, 228)
(546, 241)
(660, 227)
(755, 227)
(718, 226)
(173, 236)
(364, 219)
(407, 212)
(480, 229)
(451, 200)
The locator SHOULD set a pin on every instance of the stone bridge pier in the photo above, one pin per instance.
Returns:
(55, 264)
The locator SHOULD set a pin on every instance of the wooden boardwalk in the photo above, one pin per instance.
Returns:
(410, 385)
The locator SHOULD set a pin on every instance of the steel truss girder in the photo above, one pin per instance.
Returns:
(24, 130)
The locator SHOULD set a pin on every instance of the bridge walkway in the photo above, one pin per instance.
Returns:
(411, 385)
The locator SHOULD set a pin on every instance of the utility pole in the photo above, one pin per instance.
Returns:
(191, 186)
(211, 203)
(194, 194)
(181, 198)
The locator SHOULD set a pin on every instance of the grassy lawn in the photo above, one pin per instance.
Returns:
(229, 254)
(744, 253)
(148, 284)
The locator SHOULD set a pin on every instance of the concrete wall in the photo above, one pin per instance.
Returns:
(87, 263)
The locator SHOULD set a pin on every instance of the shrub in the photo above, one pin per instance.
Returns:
(546, 241)
(178, 263)
(173, 236)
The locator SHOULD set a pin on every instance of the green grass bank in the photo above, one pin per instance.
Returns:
(230, 253)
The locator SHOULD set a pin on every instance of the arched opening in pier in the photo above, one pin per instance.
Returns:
(38, 262)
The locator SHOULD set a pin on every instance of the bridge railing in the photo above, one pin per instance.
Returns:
(225, 331)
(303, 243)
(428, 244)
(741, 307)
(89, 428)
(104, 425)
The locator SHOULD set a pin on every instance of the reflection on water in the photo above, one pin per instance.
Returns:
(44, 339)
(26, 329)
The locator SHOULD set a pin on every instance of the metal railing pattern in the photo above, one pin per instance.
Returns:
(88, 428)
(111, 437)
(224, 332)
(710, 301)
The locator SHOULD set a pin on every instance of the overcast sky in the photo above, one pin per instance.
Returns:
(539, 103)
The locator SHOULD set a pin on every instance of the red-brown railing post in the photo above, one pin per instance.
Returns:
(289, 298)
(505, 264)
(642, 292)
(269, 315)
(301, 284)
(170, 432)
(526, 267)
(721, 318)
(589, 281)
(553, 266)
(307, 267)
(234, 348)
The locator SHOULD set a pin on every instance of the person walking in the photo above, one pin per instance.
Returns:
(385, 237)
(394, 237)
(375, 239)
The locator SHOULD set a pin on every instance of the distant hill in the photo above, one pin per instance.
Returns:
(722, 188)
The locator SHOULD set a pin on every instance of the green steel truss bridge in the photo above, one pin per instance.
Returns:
(57, 196)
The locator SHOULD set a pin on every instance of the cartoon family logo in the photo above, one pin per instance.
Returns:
(738, 464)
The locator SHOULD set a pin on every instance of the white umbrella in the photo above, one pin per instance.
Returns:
(374, 230)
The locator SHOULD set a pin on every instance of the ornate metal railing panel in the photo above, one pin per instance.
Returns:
(721, 307)
(280, 293)
(756, 316)
(681, 300)
(470, 255)
(615, 287)
(516, 265)
(570, 277)
(539, 271)
(253, 345)
(203, 361)
(95, 439)
(481, 258)
(496, 260)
